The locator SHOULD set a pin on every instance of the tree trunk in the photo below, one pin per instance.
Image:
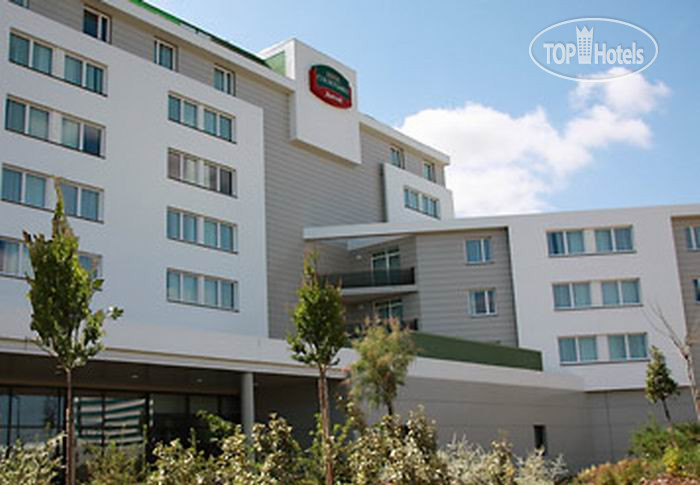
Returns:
(390, 408)
(666, 412)
(70, 431)
(325, 423)
(694, 391)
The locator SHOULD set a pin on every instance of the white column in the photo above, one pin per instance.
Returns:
(247, 402)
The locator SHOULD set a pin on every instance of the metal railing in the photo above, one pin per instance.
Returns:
(363, 279)
(355, 329)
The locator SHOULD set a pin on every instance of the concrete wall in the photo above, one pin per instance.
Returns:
(444, 280)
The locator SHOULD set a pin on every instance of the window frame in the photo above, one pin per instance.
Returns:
(612, 230)
(27, 107)
(565, 241)
(23, 186)
(696, 284)
(158, 43)
(400, 156)
(620, 293)
(200, 222)
(201, 282)
(82, 124)
(572, 295)
(86, 63)
(489, 300)
(391, 306)
(200, 168)
(229, 78)
(429, 171)
(426, 204)
(628, 354)
(201, 110)
(101, 18)
(577, 348)
(692, 234)
(484, 242)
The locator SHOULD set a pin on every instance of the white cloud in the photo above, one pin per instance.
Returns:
(509, 164)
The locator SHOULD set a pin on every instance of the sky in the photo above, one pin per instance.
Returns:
(458, 76)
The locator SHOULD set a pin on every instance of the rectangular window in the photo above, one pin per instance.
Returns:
(91, 263)
(15, 116)
(81, 201)
(210, 122)
(692, 235)
(84, 74)
(73, 70)
(214, 176)
(42, 58)
(429, 171)
(224, 80)
(173, 224)
(389, 309)
(628, 346)
(82, 136)
(541, 438)
(19, 50)
(565, 243)
(94, 78)
(572, 295)
(578, 349)
(38, 123)
(696, 284)
(164, 54)
(411, 199)
(420, 202)
(23, 188)
(174, 107)
(618, 239)
(482, 302)
(96, 24)
(622, 292)
(21, 3)
(479, 250)
(189, 228)
(211, 233)
(10, 257)
(396, 156)
(214, 292)
(189, 114)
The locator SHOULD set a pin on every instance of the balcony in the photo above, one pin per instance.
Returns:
(360, 285)
(363, 279)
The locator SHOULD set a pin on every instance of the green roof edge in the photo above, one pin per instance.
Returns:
(456, 349)
(217, 40)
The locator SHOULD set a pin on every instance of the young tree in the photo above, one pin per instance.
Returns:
(659, 383)
(319, 319)
(60, 291)
(385, 352)
(684, 347)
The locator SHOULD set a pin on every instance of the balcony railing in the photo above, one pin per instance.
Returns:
(373, 278)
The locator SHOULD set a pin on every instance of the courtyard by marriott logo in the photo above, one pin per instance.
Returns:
(587, 49)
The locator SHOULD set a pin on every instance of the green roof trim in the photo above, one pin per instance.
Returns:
(449, 348)
(217, 40)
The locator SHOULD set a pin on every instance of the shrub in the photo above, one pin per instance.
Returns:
(624, 472)
(113, 465)
(177, 465)
(470, 464)
(38, 465)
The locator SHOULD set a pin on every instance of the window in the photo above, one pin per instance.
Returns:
(572, 295)
(84, 74)
(189, 114)
(385, 310)
(387, 260)
(201, 290)
(14, 258)
(609, 240)
(692, 236)
(214, 123)
(81, 201)
(566, 243)
(215, 177)
(91, 263)
(42, 58)
(628, 346)
(174, 109)
(34, 123)
(218, 125)
(578, 349)
(422, 203)
(429, 171)
(21, 3)
(183, 226)
(23, 188)
(96, 25)
(224, 80)
(396, 156)
(19, 50)
(479, 250)
(624, 292)
(482, 302)
(696, 284)
(164, 54)
(81, 136)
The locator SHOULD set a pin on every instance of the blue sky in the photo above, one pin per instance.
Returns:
(461, 61)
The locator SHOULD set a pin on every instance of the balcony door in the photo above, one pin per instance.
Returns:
(385, 266)
(384, 310)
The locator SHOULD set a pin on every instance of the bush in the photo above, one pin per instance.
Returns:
(38, 465)
(470, 464)
(113, 465)
(625, 472)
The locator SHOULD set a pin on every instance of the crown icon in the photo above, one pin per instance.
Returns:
(584, 44)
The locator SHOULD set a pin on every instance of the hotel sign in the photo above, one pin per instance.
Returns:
(330, 86)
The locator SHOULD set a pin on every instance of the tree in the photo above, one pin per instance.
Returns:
(60, 292)
(659, 383)
(684, 347)
(385, 352)
(319, 320)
